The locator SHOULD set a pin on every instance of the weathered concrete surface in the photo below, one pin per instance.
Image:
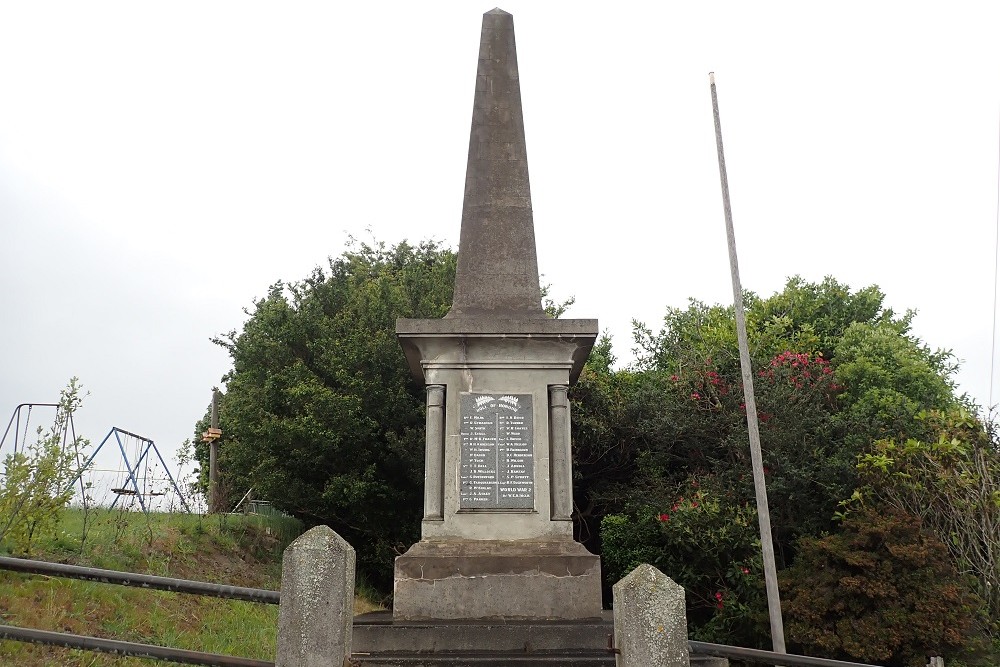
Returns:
(380, 641)
(507, 363)
(315, 618)
(515, 561)
(650, 620)
(468, 343)
(560, 454)
(380, 632)
(497, 270)
(485, 579)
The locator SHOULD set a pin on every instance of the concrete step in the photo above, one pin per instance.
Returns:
(377, 632)
(507, 659)
(486, 659)
(378, 641)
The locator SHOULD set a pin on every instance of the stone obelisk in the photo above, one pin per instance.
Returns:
(497, 533)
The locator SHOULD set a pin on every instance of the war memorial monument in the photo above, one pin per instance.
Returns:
(496, 578)
(497, 531)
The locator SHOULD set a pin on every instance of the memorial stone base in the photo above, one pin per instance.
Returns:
(484, 579)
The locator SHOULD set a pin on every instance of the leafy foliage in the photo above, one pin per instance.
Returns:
(829, 363)
(888, 378)
(321, 415)
(881, 590)
(37, 481)
(707, 541)
(952, 482)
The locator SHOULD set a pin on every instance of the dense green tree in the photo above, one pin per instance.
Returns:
(814, 316)
(835, 371)
(888, 377)
(825, 358)
(680, 410)
(321, 415)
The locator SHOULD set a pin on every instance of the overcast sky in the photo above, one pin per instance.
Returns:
(161, 164)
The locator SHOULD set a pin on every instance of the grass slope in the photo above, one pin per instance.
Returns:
(226, 549)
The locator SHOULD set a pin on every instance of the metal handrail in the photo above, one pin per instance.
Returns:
(264, 596)
(260, 595)
(768, 657)
(117, 647)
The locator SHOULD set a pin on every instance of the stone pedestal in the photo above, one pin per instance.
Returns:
(486, 579)
(508, 552)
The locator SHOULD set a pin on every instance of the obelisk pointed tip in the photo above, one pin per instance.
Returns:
(497, 272)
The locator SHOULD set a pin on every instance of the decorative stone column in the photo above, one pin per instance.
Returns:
(561, 470)
(434, 455)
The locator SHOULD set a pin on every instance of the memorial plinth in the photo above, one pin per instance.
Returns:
(497, 533)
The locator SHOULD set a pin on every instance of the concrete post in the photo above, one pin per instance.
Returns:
(434, 453)
(561, 461)
(316, 614)
(650, 620)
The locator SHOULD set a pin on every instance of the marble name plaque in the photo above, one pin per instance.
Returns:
(497, 443)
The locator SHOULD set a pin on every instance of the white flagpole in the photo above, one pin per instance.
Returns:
(763, 515)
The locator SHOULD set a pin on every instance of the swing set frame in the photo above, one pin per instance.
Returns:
(69, 429)
(132, 471)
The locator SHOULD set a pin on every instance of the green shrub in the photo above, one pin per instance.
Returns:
(883, 590)
(37, 481)
(707, 543)
(951, 479)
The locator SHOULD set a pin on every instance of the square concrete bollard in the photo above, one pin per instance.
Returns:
(650, 620)
(316, 614)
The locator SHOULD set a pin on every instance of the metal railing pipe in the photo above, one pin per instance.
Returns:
(139, 580)
(151, 651)
(768, 657)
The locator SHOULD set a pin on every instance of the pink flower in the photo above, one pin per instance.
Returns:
(718, 596)
(746, 570)
(664, 517)
(695, 395)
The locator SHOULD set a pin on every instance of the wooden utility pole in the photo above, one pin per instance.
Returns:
(763, 514)
(212, 436)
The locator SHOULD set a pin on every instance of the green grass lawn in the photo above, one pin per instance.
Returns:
(226, 549)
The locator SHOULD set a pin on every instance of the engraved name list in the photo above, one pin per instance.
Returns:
(497, 469)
